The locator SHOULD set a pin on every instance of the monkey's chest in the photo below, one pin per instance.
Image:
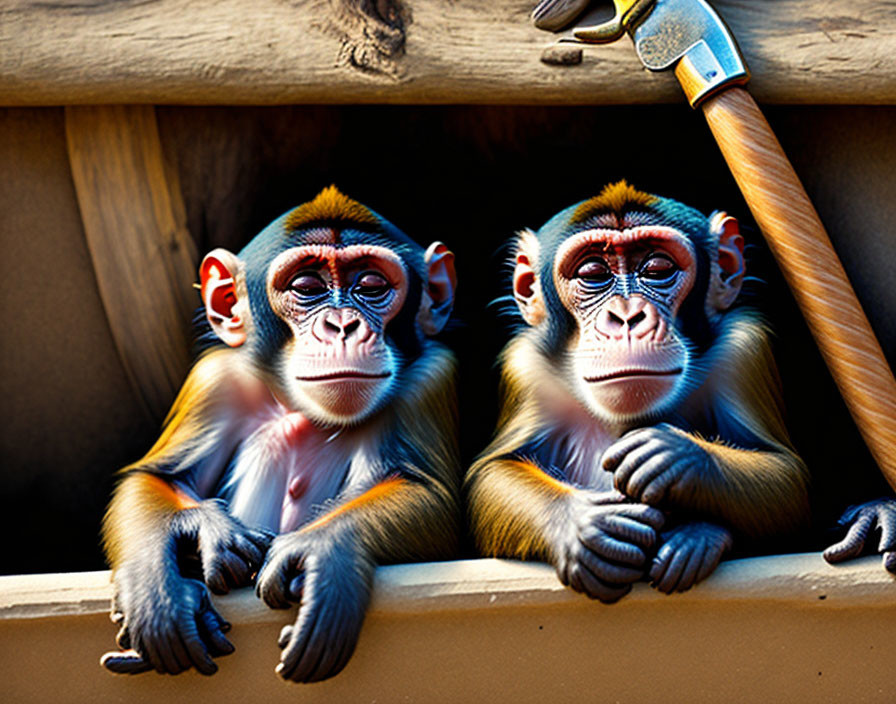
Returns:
(283, 471)
(576, 455)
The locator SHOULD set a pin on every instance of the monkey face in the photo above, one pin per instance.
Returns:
(624, 288)
(337, 367)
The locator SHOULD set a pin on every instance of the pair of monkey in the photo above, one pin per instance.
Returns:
(316, 437)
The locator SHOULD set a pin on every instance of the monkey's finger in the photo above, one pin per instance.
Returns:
(285, 636)
(199, 656)
(642, 513)
(630, 464)
(297, 586)
(150, 650)
(672, 571)
(887, 525)
(688, 576)
(178, 653)
(272, 584)
(343, 654)
(248, 550)
(262, 539)
(854, 541)
(212, 629)
(607, 547)
(672, 544)
(123, 637)
(656, 489)
(890, 562)
(650, 469)
(324, 647)
(711, 559)
(595, 588)
(236, 570)
(295, 649)
(629, 530)
(127, 662)
(617, 452)
(607, 571)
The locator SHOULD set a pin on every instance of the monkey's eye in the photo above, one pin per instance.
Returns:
(594, 271)
(372, 285)
(308, 284)
(658, 268)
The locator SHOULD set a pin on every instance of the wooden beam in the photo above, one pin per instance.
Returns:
(424, 51)
(135, 226)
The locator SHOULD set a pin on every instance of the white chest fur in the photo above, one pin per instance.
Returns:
(286, 467)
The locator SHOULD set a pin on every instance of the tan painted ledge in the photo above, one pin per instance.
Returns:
(782, 628)
(229, 52)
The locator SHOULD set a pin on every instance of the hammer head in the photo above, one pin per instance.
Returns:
(689, 36)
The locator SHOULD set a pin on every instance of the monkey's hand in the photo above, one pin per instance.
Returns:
(879, 514)
(230, 552)
(661, 465)
(601, 548)
(689, 553)
(167, 622)
(330, 576)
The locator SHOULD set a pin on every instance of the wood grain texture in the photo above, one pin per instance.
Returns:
(56, 52)
(135, 225)
(811, 267)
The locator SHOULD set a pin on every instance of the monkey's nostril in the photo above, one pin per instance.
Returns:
(350, 327)
(614, 320)
(636, 319)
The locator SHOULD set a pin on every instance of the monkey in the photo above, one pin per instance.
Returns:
(641, 430)
(320, 411)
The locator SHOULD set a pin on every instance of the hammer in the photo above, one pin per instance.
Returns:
(690, 38)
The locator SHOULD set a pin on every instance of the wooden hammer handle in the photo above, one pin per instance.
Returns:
(811, 267)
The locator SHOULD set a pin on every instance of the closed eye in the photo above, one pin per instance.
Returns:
(594, 271)
(658, 269)
(308, 284)
(372, 285)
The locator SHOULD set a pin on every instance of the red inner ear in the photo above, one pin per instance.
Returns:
(223, 297)
(223, 300)
(524, 281)
(728, 262)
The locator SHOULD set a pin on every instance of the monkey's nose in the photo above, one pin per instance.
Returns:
(341, 323)
(622, 317)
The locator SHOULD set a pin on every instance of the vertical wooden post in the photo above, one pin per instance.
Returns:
(135, 224)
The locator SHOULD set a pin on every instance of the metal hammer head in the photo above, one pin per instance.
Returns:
(686, 34)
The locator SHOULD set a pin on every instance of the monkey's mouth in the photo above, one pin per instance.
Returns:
(632, 373)
(346, 375)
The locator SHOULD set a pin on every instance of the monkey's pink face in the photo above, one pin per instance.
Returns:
(337, 301)
(624, 289)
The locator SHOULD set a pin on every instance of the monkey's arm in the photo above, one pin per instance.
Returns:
(598, 542)
(155, 517)
(411, 513)
(750, 479)
(166, 618)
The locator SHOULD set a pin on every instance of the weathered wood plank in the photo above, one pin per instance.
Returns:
(135, 225)
(426, 51)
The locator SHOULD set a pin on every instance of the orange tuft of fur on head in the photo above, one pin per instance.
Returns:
(330, 205)
(616, 198)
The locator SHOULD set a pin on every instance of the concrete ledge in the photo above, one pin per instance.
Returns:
(774, 628)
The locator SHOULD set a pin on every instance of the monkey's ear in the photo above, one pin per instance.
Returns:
(218, 275)
(526, 288)
(728, 277)
(438, 296)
